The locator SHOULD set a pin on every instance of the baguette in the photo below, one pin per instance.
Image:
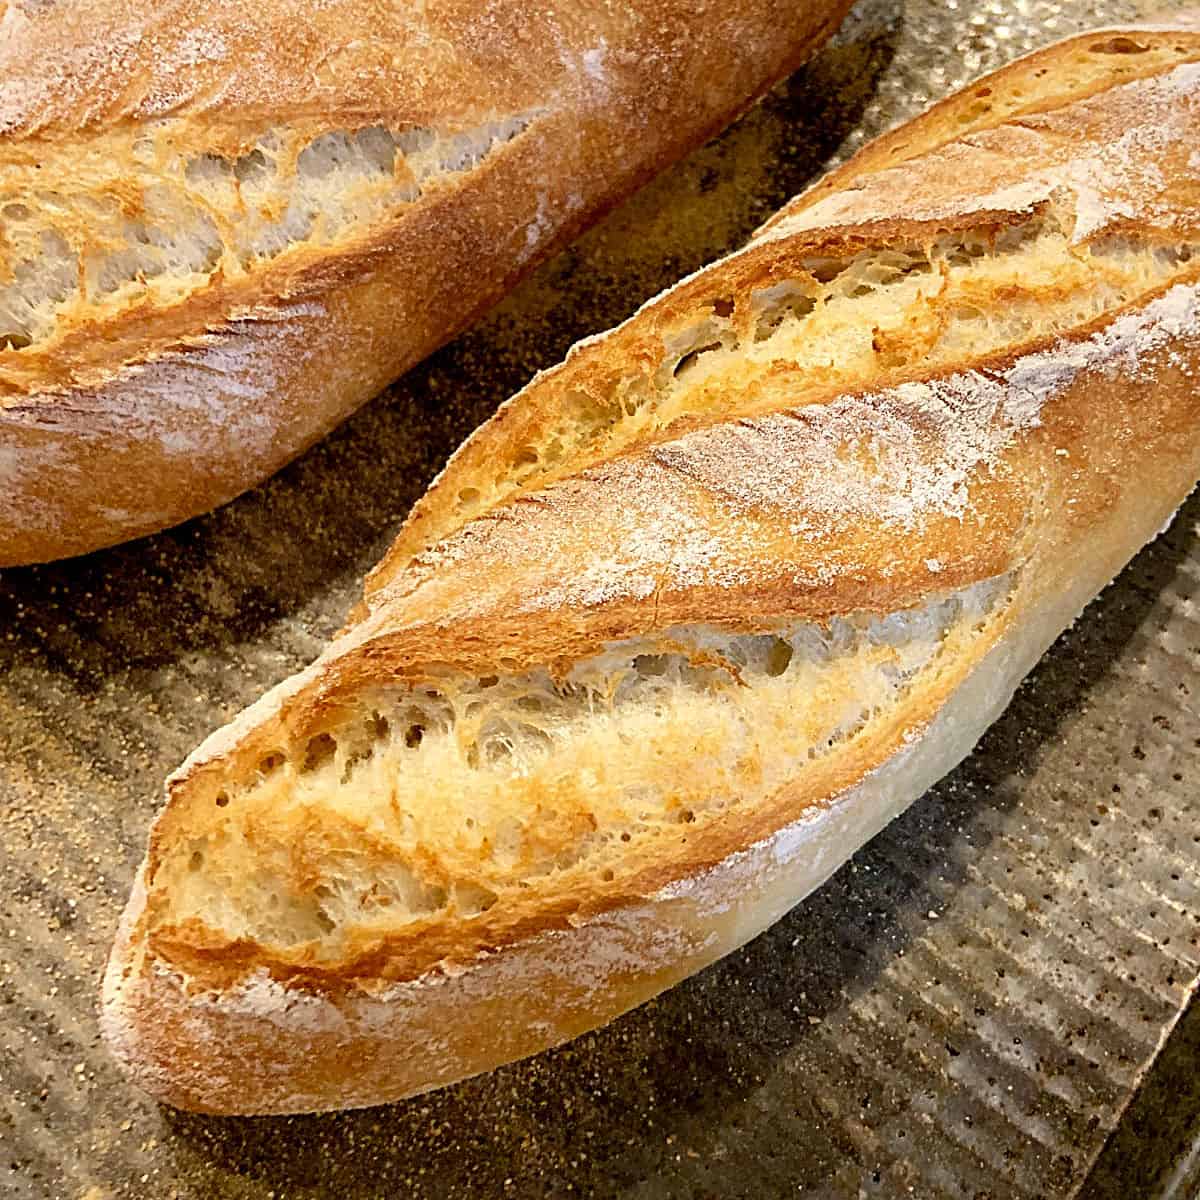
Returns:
(697, 612)
(224, 226)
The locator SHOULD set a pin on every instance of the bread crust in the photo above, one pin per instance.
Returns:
(262, 1046)
(979, 106)
(152, 412)
(879, 198)
(1049, 462)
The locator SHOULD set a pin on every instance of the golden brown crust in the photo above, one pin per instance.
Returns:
(1051, 462)
(881, 200)
(329, 1043)
(494, 597)
(159, 412)
(1080, 67)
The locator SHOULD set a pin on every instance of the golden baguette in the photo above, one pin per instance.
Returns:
(224, 226)
(698, 611)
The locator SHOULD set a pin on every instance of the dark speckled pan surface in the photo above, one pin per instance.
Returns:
(966, 1010)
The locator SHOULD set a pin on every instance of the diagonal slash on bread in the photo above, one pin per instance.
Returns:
(698, 611)
(224, 226)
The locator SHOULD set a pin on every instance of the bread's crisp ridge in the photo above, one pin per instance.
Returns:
(428, 766)
(1077, 69)
(1088, 193)
(904, 311)
(799, 503)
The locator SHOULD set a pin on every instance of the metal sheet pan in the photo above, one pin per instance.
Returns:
(965, 1010)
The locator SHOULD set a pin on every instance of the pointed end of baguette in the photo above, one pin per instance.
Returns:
(252, 1052)
(191, 1053)
(262, 1048)
(129, 1009)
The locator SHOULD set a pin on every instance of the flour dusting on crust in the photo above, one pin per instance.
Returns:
(900, 455)
(1114, 172)
(897, 457)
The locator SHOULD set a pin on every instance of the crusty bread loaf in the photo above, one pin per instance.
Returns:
(223, 226)
(697, 612)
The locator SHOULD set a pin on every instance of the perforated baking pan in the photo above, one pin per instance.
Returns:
(968, 1009)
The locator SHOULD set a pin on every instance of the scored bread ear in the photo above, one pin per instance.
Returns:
(1019, 156)
(262, 1046)
(1053, 77)
(219, 240)
(692, 618)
